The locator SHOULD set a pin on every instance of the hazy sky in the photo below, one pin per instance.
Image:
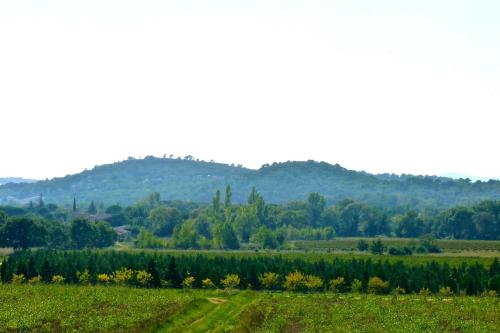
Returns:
(383, 86)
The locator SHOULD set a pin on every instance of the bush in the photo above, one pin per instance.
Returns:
(295, 281)
(337, 284)
(377, 286)
(58, 279)
(207, 284)
(363, 245)
(188, 282)
(445, 291)
(269, 280)
(103, 278)
(84, 277)
(123, 276)
(18, 278)
(424, 292)
(143, 278)
(356, 286)
(377, 247)
(230, 281)
(399, 291)
(313, 282)
(400, 251)
(35, 280)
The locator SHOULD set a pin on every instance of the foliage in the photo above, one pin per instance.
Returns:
(230, 281)
(337, 284)
(376, 285)
(269, 280)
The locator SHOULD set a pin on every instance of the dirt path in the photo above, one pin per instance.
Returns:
(210, 314)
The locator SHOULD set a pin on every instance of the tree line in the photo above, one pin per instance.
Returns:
(153, 223)
(251, 271)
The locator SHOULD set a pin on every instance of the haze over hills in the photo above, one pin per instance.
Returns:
(16, 180)
(127, 181)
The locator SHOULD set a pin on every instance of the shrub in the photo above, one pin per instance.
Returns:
(269, 280)
(445, 291)
(337, 284)
(123, 276)
(489, 293)
(104, 278)
(295, 281)
(313, 282)
(400, 251)
(377, 286)
(58, 279)
(424, 292)
(363, 245)
(84, 277)
(18, 278)
(356, 286)
(377, 247)
(207, 284)
(188, 282)
(399, 291)
(143, 278)
(230, 281)
(35, 280)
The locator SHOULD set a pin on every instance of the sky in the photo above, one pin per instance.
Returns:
(381, 86)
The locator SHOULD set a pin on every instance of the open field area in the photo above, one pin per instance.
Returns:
(446, 245)
(49, 308)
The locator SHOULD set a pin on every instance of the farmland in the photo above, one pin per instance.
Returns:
(448, 246)
(52, 308)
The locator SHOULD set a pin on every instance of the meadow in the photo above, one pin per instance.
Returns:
(69, 308)
(452, 246)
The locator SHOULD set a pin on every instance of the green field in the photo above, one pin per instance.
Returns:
(51, 308)
(446, 245)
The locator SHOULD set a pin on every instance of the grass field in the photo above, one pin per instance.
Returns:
(446, 245)
(370, 313)
(50, 308)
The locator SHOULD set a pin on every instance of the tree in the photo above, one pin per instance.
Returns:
(315, 206)
(230, 281)
(269, 280)
(74, 204)
(163, 220)
(246, 222)
(376, 285)
(185, 236)
(22, 233)
(224, 237)
(409, 224)
(82, 233)
(92, 208)
(40, 201)
(362, 245)
(216, 203)
(377, 247)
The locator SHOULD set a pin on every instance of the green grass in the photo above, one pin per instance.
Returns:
(350, 244)
(64, 308)
(52, 308)
(370, 313)
(211, 312)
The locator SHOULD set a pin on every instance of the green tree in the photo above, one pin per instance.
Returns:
(377, 247)
(315, 206)
(163, 220)
(22, 233)
(224, 237)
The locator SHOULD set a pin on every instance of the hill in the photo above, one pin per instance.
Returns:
(186, 179)
(15, 180)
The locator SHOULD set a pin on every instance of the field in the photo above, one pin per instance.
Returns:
(50, 308)
(446, 245)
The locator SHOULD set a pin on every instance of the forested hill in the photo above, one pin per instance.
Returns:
(186, 179)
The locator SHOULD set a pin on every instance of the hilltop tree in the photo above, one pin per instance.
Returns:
(74, 204)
